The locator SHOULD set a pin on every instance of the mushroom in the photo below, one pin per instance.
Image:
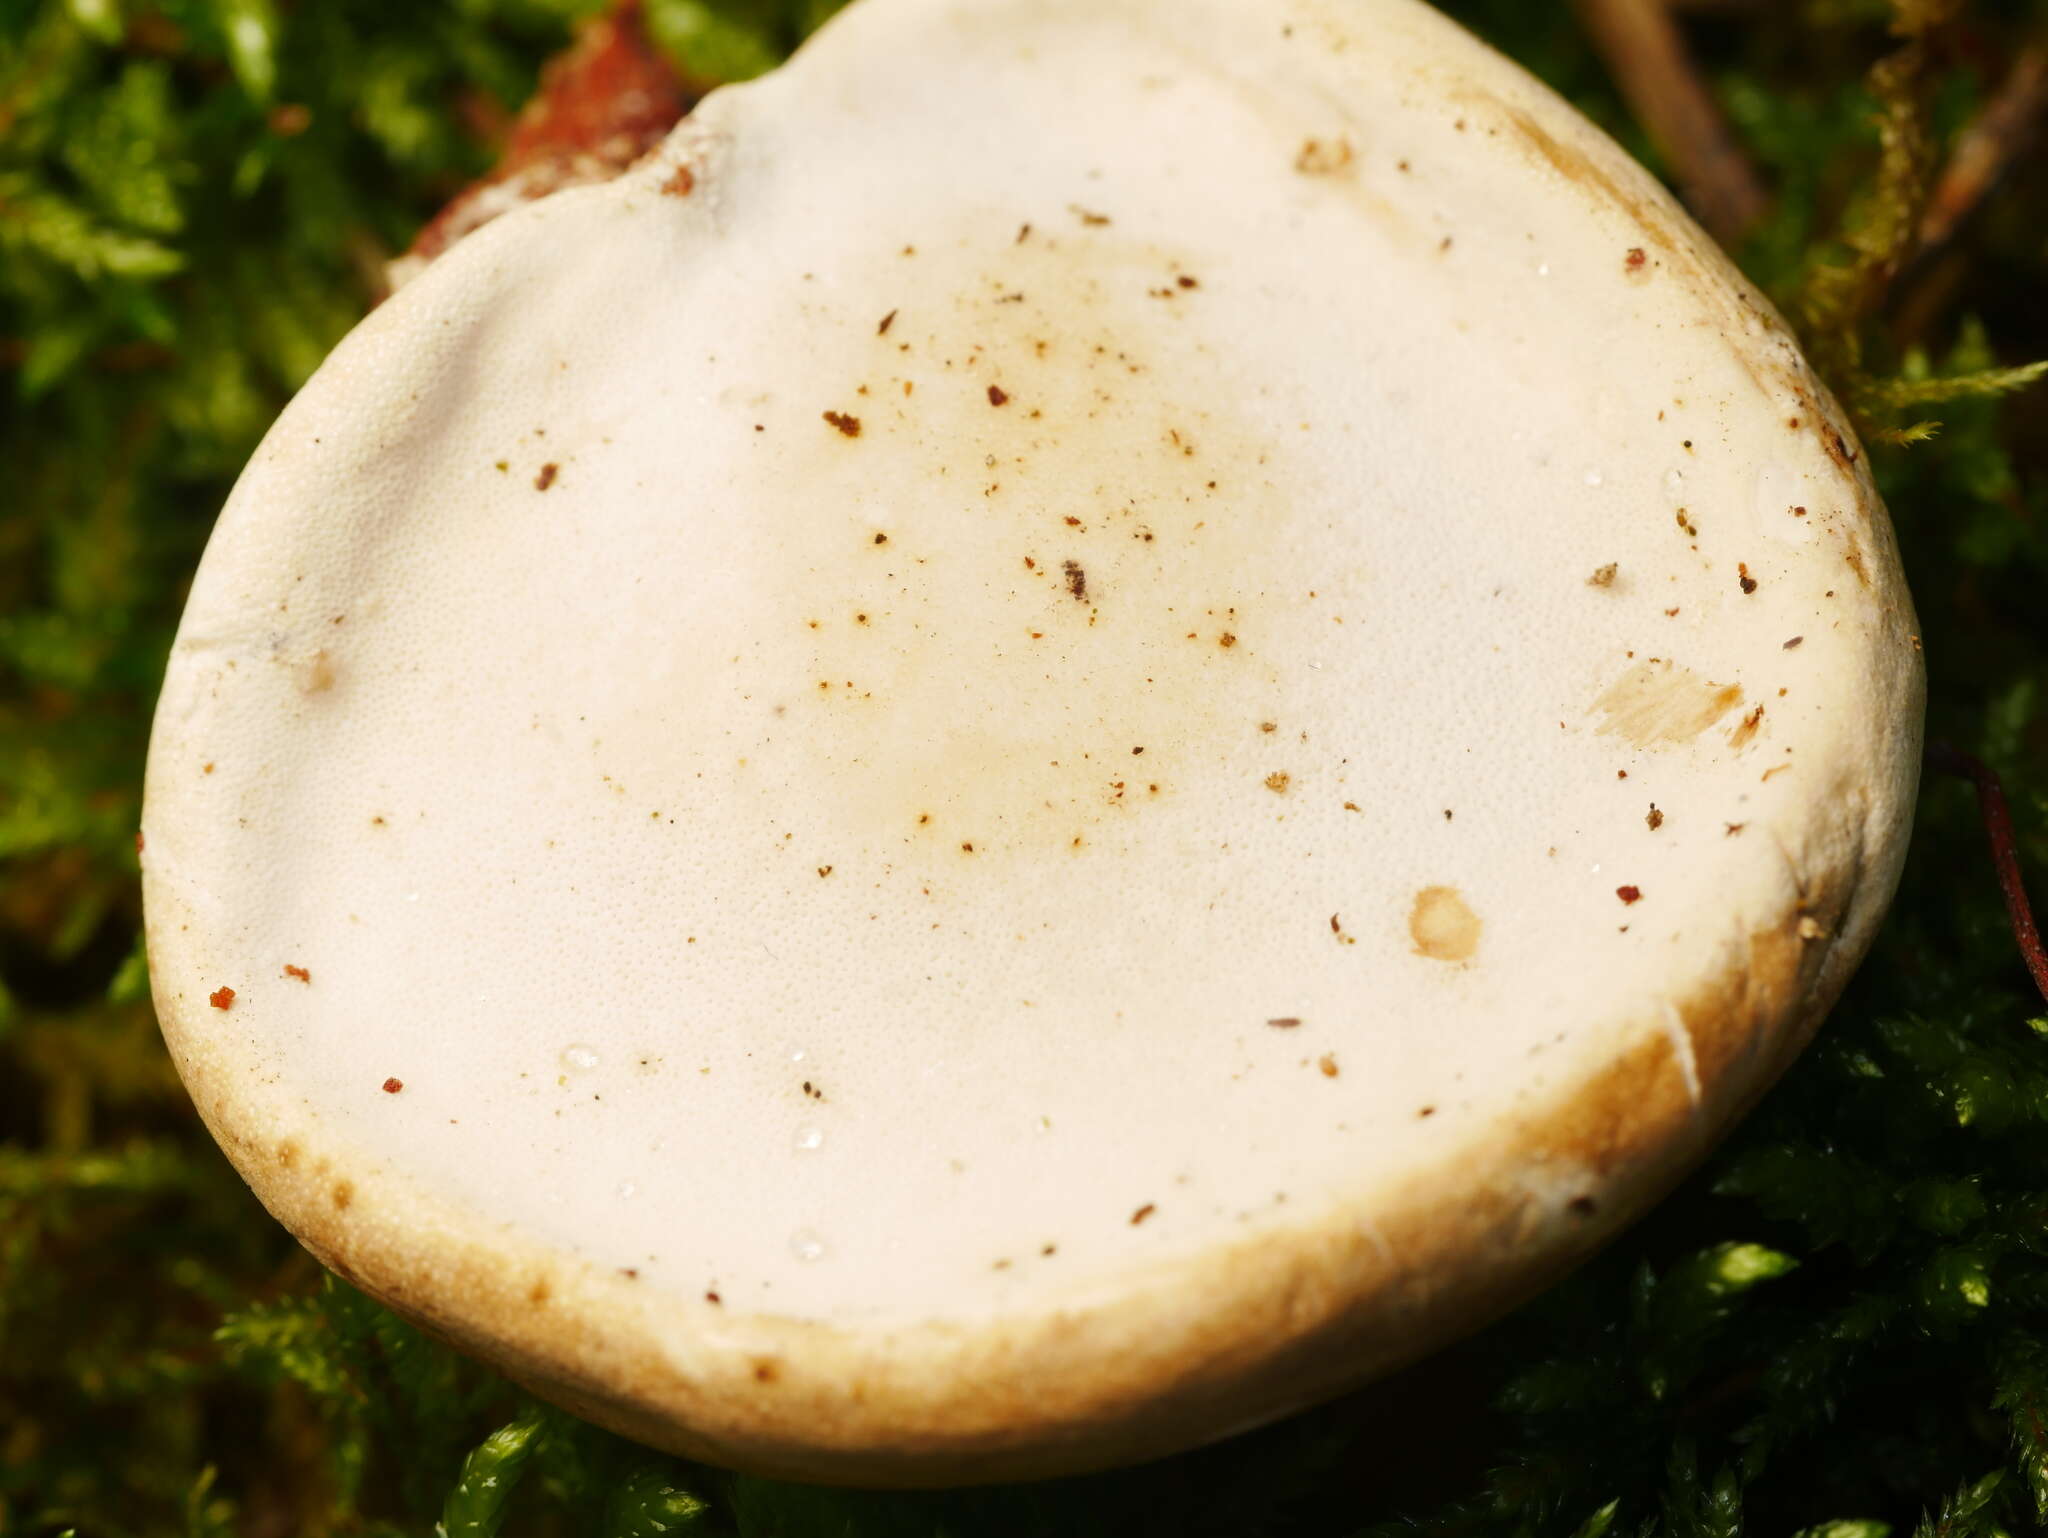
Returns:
(957, 783)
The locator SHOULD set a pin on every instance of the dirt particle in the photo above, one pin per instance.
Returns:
(1088, 216)
(1747, 730)
(887, 321)
(714, 1299)
(1743, 579)
(1077, 579)
(1734, 827)
(1637, 260)
(1629, 895)
(1794, 643)
(222, 998)
(881, 539)
(1278, 781)
(1655, 819)
(1352, 806)
(1143, 1213)
(1269, 726)
(1285, 1022)
(1328, 1064)
(1427, 1110)
(849, 426)
(299, 972)
(1185, 281)
(1692, 530)
(1604, 576)
(824, 871)
(1226, 640)
(681, 184)
(998, 396)
(1442, 925)
(546, 478)
(393, 1086)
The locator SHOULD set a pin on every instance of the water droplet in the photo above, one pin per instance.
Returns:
(1594, 477)
(805, 1244)
(579, 1057)
(628, 1187)
(1543, 269)
(798, 1054)
(809, 1138)
(412, 897)
(1674, 484)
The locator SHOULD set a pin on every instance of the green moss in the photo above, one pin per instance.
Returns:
(1838, 1329)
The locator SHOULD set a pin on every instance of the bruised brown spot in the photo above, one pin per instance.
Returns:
(317, 675)
(287, 1154)
(1575, 166)
(343, 1195)
(766, 1369)
(546, 478)
(849, 426)
(1659, 701)
(539, 1292)
(1322, 157)
(1637, 260)
(681, 183)
(1442, 925)
(1747, 730)
(222, 998)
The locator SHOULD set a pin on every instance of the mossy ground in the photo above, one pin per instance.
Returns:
(1840, 1324)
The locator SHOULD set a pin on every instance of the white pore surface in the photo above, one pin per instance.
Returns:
(875, 876)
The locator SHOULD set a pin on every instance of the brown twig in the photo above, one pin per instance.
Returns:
(2004, 850)
(1990, 146)
(1646, 54)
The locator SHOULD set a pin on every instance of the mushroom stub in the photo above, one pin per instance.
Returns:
(1089, 719)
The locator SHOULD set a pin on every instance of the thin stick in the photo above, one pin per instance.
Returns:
(1989, 147)
(1646, 54)
(2004, 851)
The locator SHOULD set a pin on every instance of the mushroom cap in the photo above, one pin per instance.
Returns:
(1093, 717)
